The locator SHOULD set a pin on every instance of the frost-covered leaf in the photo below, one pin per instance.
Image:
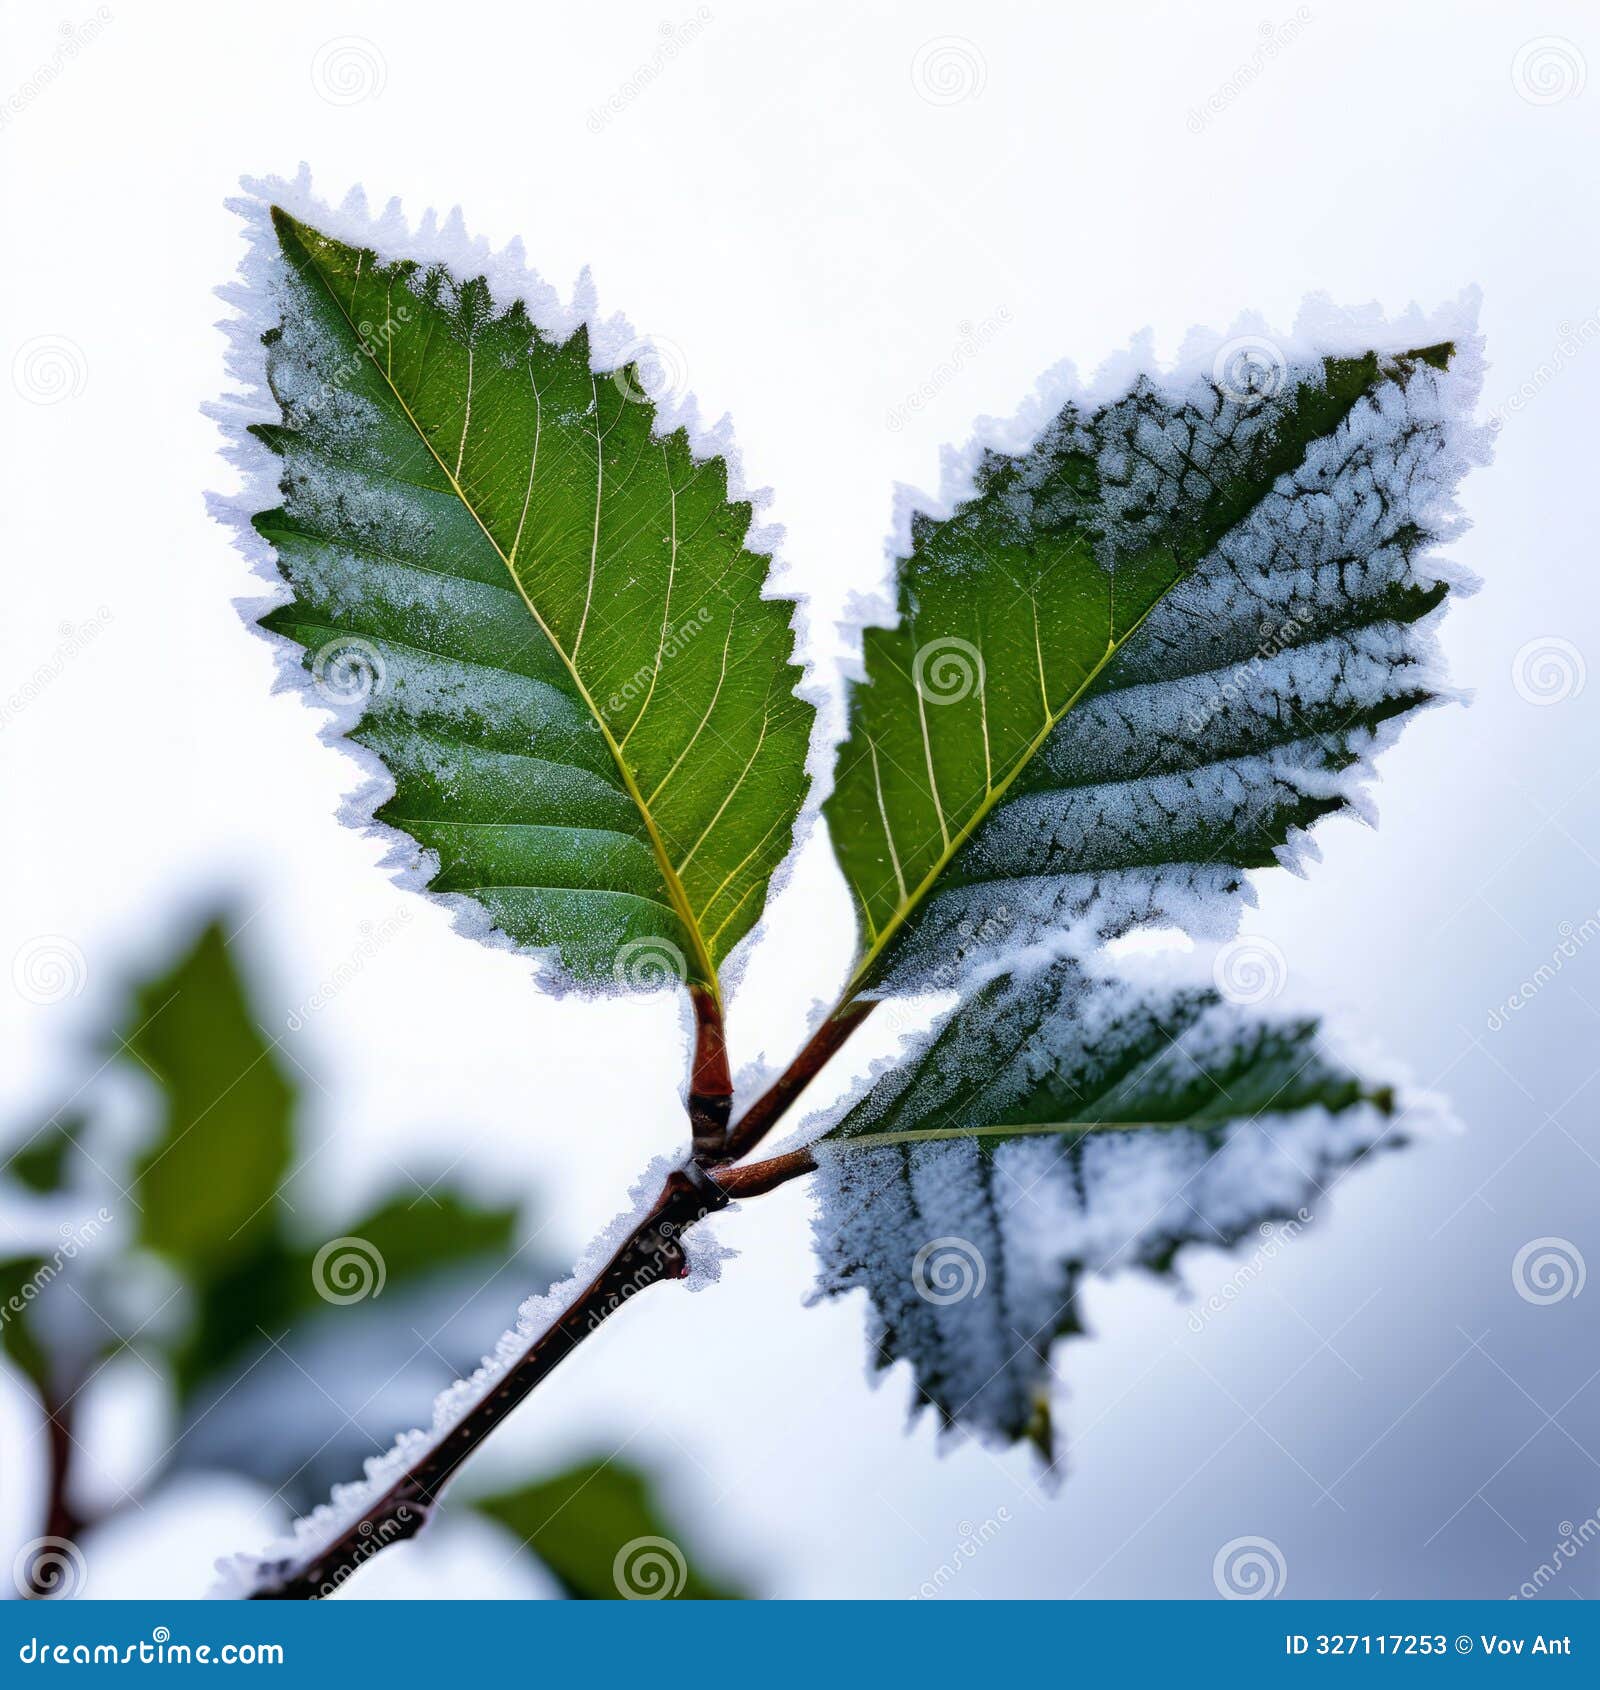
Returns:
(1061, 1123)
(601, 1529)
(540, 614)
(1143, 650)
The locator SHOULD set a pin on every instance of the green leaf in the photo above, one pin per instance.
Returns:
(207, 1187)
(20, 1286)
(403, 1243)
(1141, 655)
(546, 613)
(1061, 1123)
(601, 1531)
(40, 1162)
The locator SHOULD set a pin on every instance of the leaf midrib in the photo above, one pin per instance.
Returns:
(913, 900)
(675, 888)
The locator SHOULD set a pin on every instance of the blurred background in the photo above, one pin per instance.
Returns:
(856, 230)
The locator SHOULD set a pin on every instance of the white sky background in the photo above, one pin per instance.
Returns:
(814, 236)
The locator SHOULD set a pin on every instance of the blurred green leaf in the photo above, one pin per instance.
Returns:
(40, 1161)
(19, 1281)
(601, 1531)
(207, 1187)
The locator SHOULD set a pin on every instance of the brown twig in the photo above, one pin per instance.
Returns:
(710, 1081)
(652, 1252)
(62, 1520)
(754, 1178)
(768, 1109)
